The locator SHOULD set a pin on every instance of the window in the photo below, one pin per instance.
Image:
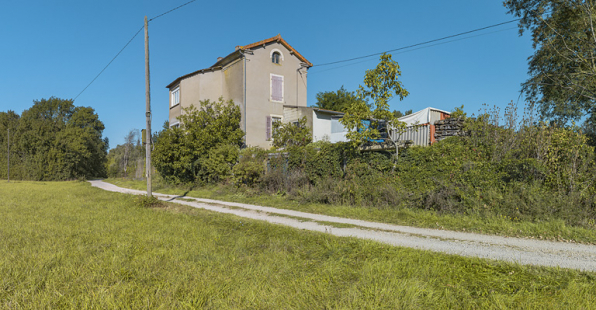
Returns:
(277, 88)
(175, 97)
(276, 58)
(269, 125)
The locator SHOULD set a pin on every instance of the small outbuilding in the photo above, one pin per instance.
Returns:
(421, 126)
(324, 124)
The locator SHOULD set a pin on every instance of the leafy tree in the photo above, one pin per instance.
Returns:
(398, 113)
(339, 100)
(459, 112)
(289, 135)
(562, 72)
(8, 122)
(54, 140)
(127, 160)
(380, 85)
(188, 153)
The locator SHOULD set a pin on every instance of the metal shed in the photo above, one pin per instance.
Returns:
(421, 126)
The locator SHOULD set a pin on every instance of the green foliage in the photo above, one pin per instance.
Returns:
(458, 112)
(290, 135)
(339, 100)
(54, 140)
(250, 167)
(562, 72)
(204, 147)
(217, 166)
(399, 114)
(128, 159)
(381, 84)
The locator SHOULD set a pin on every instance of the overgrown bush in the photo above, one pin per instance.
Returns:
(250, 167)
(205, 145)
(508, 166)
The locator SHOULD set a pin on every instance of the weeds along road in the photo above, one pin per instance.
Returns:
(516, 250)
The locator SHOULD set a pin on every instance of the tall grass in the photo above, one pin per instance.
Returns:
(70, 246)
(480, 222)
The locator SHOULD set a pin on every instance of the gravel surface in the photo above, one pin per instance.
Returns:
(517, 250)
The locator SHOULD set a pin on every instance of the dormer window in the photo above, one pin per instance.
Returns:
(276, 58)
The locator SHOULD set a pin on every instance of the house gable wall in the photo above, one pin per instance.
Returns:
(248, 84)
(259, 69)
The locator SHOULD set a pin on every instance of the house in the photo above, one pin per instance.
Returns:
(323, 123)
(260, 78)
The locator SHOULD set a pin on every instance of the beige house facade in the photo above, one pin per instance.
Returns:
(260, 78)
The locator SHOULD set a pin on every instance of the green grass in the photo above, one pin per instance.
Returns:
(68, 245)
(497, 225)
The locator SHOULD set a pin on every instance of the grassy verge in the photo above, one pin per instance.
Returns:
(549, 230)
(67, 245)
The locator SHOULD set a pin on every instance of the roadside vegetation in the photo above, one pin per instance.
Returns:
(511, 175)
(53, 140)
(74, 246)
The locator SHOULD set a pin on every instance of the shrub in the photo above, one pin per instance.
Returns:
(218, 165)
(250, 167)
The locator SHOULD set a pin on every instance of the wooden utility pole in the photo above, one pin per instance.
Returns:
(147, 113)
(8, 155)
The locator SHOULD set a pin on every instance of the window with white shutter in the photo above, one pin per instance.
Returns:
(269, 130)
(277, 88)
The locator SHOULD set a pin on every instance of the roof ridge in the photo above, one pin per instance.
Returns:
(279, 39)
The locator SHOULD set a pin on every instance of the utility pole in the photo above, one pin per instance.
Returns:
(8, 161)
(147, 113)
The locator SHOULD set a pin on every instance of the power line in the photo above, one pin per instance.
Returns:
(415, 49)
(421, 43)
(109, 63)
(121, 50)
(174, 9)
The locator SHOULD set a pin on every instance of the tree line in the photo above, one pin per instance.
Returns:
(128, 159)
(53, 140)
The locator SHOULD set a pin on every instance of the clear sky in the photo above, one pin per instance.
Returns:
(56, 47)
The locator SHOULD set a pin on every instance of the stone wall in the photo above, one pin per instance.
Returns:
(449, 127)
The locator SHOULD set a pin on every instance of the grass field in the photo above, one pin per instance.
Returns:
(498, 225)
(68, 245)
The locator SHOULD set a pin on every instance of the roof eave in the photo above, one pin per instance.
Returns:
(177, 81)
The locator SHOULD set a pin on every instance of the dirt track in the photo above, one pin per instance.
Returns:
(523, 251)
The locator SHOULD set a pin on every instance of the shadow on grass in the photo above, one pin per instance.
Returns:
(183, 195)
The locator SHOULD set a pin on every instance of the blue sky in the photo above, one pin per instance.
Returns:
(56, 47)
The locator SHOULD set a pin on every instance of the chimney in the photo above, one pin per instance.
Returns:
(219, 59)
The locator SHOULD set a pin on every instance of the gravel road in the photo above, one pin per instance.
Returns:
(517, 250)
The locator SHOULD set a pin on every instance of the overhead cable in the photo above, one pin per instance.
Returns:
(121, 50)
(109, 63)
(418, 44)
(414, 49)
(172, 10)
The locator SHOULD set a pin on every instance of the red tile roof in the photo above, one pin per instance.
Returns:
(278, 39)
(236, 53)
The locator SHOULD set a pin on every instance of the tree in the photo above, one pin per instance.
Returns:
(339, 100)
(398, 113)
(127, 160)
(380, 85)
(562, 70)
(54, 140)
(188, 153)
(291, 134)
(8, 122)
